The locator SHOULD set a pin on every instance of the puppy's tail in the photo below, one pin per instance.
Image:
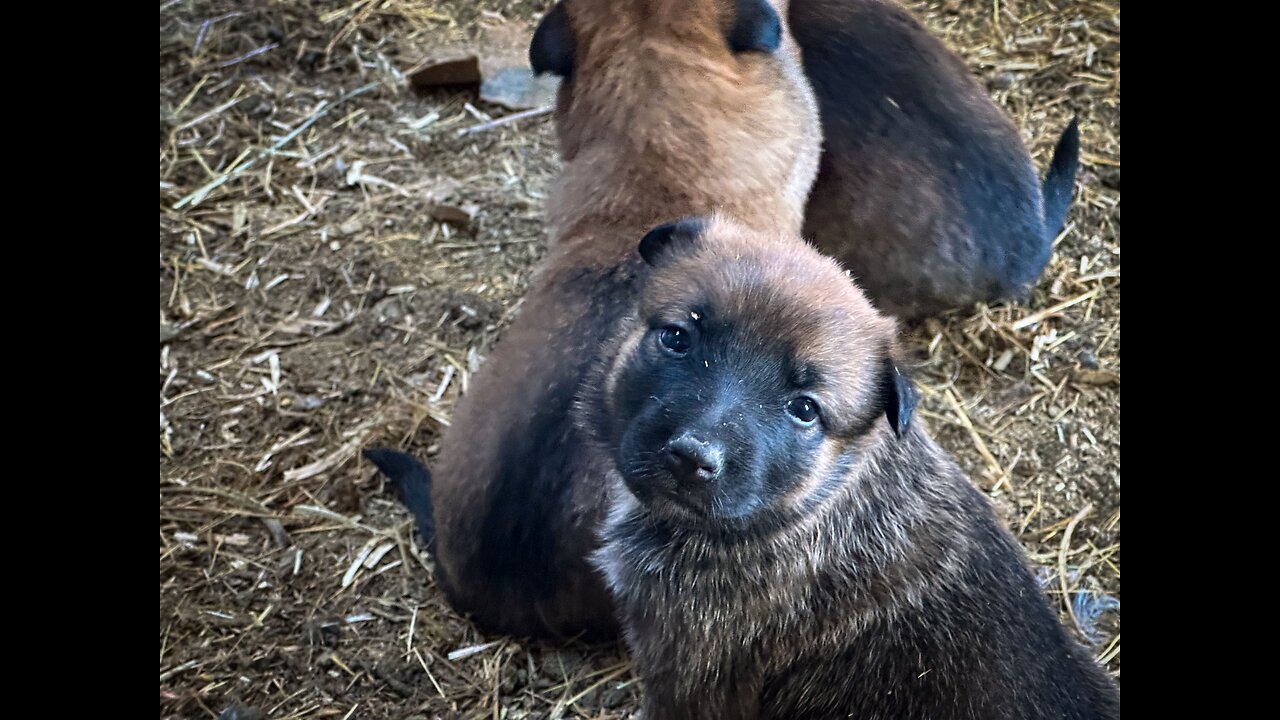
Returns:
(1061, 179)
(412, 482)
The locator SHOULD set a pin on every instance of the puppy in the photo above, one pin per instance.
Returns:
(668, 107)
(784, 539)
(925, 189)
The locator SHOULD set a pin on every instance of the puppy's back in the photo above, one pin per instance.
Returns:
(980, 644)
(925, 188)
(516, 494)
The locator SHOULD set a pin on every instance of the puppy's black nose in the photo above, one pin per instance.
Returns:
(691, 458)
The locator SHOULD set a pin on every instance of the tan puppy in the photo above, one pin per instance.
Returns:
(784, 541)
(656, 98)
(668, 108)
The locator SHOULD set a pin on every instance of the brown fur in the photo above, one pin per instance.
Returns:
(880, 585)
(658, 102)
(925, 190)
(659, 120)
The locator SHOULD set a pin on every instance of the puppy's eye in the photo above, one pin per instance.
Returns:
(803, 410)
(676, 339)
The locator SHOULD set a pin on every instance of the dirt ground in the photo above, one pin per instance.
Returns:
(311, 306)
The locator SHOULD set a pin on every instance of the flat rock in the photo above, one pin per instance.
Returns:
(516, 88)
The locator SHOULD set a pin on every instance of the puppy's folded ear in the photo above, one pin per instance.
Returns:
(755, 27)
(552, 47)
(900, 398)
(662, 241)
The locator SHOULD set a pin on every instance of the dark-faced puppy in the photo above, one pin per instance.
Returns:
(784, 539)
(925, 189)
(668, 107)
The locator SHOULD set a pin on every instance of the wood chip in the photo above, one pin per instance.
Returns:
(450, 71)
(456, 214)
(1085, 376)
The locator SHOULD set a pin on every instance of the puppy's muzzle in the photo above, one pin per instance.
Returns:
(692, 460)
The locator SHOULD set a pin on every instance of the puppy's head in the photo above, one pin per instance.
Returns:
(712, 86)
(749, 381)
(738, 25)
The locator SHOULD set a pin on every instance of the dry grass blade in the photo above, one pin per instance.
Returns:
(1062, 566)
(507, 120)
(1036, 317)
(202, 192)
(992, 464)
